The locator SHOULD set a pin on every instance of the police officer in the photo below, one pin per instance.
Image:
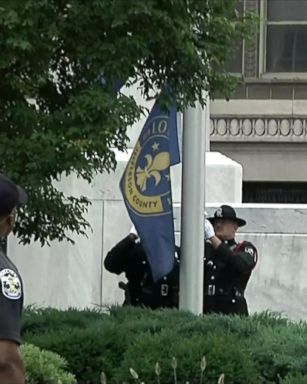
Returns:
(228, 265)
(128, 256)
(11, 291)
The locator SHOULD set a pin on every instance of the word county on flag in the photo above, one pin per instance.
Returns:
(146, 188)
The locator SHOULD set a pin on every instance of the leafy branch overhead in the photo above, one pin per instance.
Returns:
(59, 69)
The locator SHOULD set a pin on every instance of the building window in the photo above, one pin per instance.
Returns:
(275, 192)
(286, 36)
(235, 64)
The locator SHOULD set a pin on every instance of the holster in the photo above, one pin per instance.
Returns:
(126, 289)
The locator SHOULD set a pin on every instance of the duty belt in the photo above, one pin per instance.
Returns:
(213, 290)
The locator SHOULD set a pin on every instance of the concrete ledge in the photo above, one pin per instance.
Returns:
(271, 218)
(263, 218)
(258, 107)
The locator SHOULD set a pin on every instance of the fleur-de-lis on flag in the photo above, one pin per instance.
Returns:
(155, 165)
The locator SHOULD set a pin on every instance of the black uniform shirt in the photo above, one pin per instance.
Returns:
(227, 270)
(11, 300)
(129, 257)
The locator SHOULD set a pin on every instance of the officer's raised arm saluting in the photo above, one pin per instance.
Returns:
(228, 265)
(128, 256)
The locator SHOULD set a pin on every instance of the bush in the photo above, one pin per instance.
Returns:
(294, 378)
(265, 348)
(39, 320)
(44, 367)
(280, 350)
(223, 351)
(87, 351)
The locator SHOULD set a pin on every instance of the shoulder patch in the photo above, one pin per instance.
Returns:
(249, 249)
(10, 284)
(252, 251)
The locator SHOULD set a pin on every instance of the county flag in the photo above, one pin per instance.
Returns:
(146, 188)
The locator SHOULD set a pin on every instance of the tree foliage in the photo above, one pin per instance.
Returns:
(60, 112)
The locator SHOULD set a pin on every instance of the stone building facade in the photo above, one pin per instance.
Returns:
(264, 125)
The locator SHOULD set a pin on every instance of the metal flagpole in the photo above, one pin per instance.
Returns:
(192, 210)
(206, 125)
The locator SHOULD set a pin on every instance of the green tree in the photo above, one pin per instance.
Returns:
(59, 109)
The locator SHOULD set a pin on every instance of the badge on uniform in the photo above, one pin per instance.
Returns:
(10, 284)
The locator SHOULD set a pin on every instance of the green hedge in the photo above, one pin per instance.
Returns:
(38, 320)
(261, 349)
(44, 367)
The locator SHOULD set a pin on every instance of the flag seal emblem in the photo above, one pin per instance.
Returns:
(147, 179)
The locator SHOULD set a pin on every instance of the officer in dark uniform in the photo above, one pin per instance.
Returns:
(11, 290)
(128, 256)
(228, 265)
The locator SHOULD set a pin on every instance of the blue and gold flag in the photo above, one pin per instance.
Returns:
(146, 188)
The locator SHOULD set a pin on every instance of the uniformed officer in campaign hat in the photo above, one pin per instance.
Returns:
(228, 265)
